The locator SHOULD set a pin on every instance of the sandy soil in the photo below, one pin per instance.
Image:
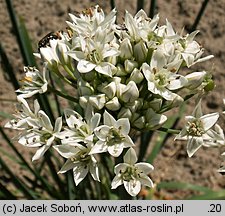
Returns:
(43, 16)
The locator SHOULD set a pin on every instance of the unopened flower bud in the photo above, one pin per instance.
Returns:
(98, 101)
(136, 76)
(139, 123)
(120, 70)
(195, 79)
(130, 93)
(130, 65)
(140, 52)
(126, 51)
(125, 113)
(154, 120)
(83, 101)
(113, 104)
(155, 104)
(109, 90)
(84, 88)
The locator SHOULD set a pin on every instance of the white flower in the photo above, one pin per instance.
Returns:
(113, 136)
(132, 174)
(94, 54)
(215, 137)
(197, 130)
(42, 137)
(79, 130)
(192, 51)
(36, 127)
(79, 160)
(90, 20)
(24, 117)
(34, 82)
(160, 80)
(55, 52)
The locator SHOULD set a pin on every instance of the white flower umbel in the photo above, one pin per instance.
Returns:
(197, 129)
(113, 136)
(34, 82)
(78, 159)
(132, 174)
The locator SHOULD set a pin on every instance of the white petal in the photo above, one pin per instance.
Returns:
(130, 157)
(194, 143)
(102, 131)
(58, 124)
(116, 182)
(133, 187)
(95, 120)
(115, 150)
(145, 167)
(120, 168)
(45, 121)
(104, 68)
(94, 171)
(40, 152)
(99, 147)
(67, 166)
(145, 180)
(108, 119)
(67, 151)
(79, 173)
(85, 66)
(123, 125)
(209, 120)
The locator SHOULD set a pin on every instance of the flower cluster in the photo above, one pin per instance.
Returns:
(126, 77)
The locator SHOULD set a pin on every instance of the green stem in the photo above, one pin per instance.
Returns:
(152, 8)
(63, 95)
(200, 13)
(140, 5)
(168, 130)
(70, 73)
(57, 72)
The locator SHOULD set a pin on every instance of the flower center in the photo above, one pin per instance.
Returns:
(45, 137)
(161, 79)
(195, 128)
(114, 137)
(129, 174)
(95, 57)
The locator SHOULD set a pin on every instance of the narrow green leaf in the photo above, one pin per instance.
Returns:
(212, 195)
(182, 186)
(140, 5)
(26, 43)
(6, 193)
(145, 140)
(112, 3)
(152, 8)
(8, 69)
(199, 16)
(20, 185)
(5, 115)
(49, 188)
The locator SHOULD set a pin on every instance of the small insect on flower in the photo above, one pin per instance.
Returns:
(44, 42)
